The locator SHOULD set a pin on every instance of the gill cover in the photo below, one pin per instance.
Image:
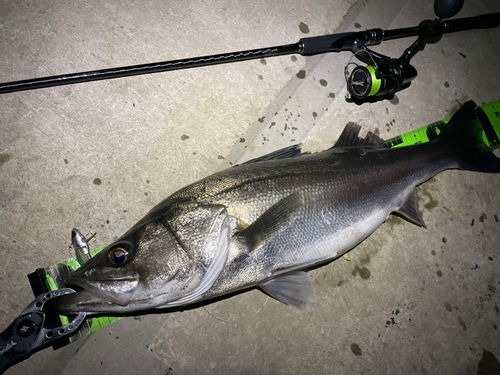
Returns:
(203, 231)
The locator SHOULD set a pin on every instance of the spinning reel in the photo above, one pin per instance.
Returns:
(383, 76)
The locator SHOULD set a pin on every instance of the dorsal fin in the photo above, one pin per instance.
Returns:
(350, 136)
(284, 153)
(372, 140)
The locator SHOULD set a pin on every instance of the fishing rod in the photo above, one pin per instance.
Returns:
(381, 78)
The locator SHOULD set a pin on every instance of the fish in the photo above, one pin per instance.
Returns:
(265, 223)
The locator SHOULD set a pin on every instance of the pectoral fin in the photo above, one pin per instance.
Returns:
(409, 210)
(293, 289)
(270, 221)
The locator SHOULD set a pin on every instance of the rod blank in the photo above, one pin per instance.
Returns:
(96, 75)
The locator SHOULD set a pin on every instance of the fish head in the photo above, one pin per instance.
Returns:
(169, 258)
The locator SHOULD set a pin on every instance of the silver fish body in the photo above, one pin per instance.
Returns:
(332, 201)
(262, 223)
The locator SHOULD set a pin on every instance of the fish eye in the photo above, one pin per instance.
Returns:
(118, 256)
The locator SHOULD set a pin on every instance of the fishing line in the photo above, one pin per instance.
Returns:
(237, 321)
(213, 316)
(350, 62)
(267, 299)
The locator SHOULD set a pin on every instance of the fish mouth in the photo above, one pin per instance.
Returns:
(118, 290)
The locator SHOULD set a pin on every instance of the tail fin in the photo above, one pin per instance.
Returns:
(464, 134)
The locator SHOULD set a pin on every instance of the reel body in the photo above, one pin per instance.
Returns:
(373, 81)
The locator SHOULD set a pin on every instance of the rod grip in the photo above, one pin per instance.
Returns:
(326, 43)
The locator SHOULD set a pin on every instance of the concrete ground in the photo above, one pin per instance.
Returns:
(98, 156)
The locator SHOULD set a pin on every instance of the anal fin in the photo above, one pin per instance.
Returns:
(409, 210)
(294, 289)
